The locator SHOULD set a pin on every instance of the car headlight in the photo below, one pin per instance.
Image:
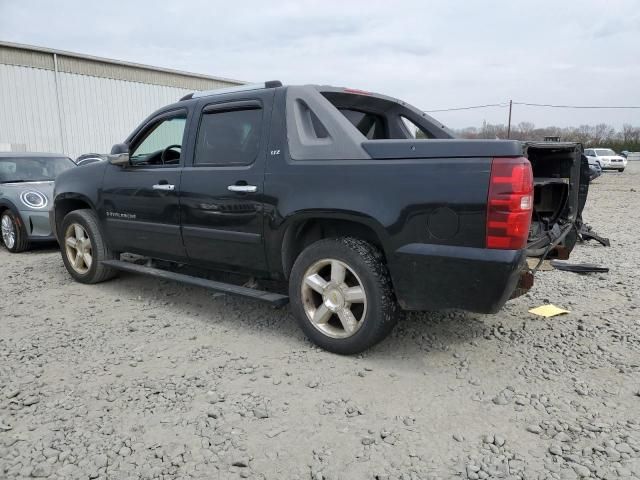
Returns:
(34, 199)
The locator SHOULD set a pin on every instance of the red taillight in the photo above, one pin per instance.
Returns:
(510, 203)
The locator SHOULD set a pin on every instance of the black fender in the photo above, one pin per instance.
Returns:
(286, 232)
(74, 196)
(6, 204)
(63, 203)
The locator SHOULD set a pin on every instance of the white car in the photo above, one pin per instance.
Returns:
(606, 158)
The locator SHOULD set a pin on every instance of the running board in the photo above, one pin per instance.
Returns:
(269, 297)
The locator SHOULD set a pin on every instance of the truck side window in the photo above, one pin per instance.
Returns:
(161, 144)
(229, 137)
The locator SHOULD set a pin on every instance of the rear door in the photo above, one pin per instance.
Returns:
(222, 187)
(140, 203)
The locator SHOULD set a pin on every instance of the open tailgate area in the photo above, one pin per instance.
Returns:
(561, 183)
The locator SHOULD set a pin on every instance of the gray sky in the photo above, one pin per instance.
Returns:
(431, 54)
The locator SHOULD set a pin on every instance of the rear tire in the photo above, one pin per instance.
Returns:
(341, 294)
(14, 236)
(83, 248)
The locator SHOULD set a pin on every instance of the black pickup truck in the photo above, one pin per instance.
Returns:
(364, 204)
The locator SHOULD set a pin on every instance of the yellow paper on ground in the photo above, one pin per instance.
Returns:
(548, 311)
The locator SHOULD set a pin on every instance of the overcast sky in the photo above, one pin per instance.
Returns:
(432, 54)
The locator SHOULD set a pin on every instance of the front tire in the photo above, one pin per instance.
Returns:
(83, 248)
(14, 235)
(621, 170)
(341, 294)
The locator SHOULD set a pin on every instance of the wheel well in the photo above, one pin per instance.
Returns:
(63, 207)
(11, 208)
(305, 232)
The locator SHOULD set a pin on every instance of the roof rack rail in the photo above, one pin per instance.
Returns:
(241, 88)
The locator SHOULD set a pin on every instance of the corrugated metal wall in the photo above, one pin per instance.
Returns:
(95, 68)
(93, 105)
(28, 109)
(98, 112)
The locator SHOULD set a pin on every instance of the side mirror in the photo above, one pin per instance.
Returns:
(120, 159)
(119, 154)
(119, 148)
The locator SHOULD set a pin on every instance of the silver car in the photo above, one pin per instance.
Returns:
(26, 186)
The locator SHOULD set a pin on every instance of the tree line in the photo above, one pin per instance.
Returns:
(600, 135)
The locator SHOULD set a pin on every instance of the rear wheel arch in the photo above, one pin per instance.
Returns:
(302, 232)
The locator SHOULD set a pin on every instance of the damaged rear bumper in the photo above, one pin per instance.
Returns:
(435, 277)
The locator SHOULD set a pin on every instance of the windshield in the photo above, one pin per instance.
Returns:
(605, 152)
(32, 169)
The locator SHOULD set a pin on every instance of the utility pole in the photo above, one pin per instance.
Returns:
(509, 124)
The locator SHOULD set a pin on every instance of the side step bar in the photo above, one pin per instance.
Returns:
(272, 298)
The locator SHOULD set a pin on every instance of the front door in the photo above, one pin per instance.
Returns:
(140, 202)
(221, 193)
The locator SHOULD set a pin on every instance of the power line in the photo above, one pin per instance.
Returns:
(575, 106)
(530, 104)
(467, 108)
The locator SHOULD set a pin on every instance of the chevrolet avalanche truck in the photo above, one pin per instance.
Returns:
(363, 204)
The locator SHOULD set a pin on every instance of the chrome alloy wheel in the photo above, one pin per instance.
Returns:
(334, 298)
(8, 231)
(78, 248)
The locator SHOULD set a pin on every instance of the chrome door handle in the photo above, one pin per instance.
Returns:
(164, 186)
(242, 188)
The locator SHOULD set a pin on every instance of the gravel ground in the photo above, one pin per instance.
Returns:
(137, 378)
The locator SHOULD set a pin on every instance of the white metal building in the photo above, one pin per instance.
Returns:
(63, 102)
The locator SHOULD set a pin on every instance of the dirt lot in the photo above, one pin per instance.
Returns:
(137, 378)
